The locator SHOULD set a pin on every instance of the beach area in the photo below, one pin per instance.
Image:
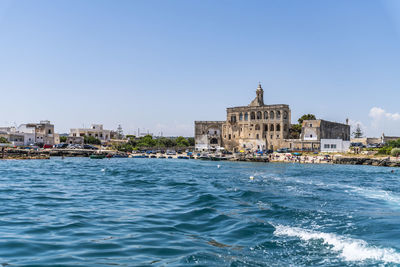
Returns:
(307, 158)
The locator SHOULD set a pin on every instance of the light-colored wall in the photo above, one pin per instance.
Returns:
(341, 146)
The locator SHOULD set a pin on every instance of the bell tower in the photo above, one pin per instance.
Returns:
(259, 100)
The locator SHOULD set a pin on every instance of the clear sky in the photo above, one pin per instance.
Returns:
(161, 65)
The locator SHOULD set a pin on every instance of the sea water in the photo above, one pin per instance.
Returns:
(172, 212)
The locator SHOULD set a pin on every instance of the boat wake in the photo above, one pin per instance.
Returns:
(378, 194)
(348, 248)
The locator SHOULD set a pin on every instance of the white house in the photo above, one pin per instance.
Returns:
(334, 145)
(96, 130)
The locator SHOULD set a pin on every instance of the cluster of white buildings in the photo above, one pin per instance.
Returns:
(30, 133)
(43, 133)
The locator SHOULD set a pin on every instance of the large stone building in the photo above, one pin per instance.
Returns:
(253, 127)
(266, 127)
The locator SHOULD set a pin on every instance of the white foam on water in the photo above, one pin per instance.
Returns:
(377, 194)
(348, 248)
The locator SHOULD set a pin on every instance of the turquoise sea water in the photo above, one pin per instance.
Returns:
(164, 212)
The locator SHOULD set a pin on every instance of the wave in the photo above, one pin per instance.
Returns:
(350, 249)
(377, 194)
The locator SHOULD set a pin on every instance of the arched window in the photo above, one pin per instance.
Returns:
(241, 116)
(265, 115)
(246, 116)
(278, 114)
(252, 116)
(257, 128)
(278, 127)
(285, 115)
(214, 141)
(259, 115)
(271, 115)
(271, 127)
(233, 118)
(265, 127)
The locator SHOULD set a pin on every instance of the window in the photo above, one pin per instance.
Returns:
(271, 115)
(326, 145)
(271, 136)
(271, 128)
(215, 132)
(285, 128)
(233, 118)
(310, 124)
(229, 137)
(265, 127)
(257, 136)
(278, 114)
(310, 135)
(246, 116)
(49, 131)
(257, 128)
(241, 116)
(265, 115)
(252, 116)
(259, 115)
(278, 127)
(333, 146)
(285, 115)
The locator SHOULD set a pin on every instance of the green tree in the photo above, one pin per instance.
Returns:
(91, 140)
(63, 139)
(191, 141)
(295, 129)
(358, 132)
(146, 141)
(306, 117)
(394, 143)
(395, 152)
(182, 141)
(3, 140)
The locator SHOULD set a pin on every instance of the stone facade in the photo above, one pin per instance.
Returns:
(253, 127)
(38, 133)
(313, 131)
(208, 135)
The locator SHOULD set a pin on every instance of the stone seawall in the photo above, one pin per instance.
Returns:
(366, 161)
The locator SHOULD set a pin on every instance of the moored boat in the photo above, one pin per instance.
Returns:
(97, 156)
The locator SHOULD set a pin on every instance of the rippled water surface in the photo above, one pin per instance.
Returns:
(162, 212)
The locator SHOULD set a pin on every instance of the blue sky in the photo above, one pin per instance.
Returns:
(160, 65)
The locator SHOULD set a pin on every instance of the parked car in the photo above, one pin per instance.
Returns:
(90, 147)
(283, 150)
(171, 152)
(61, 145)
(47, 146)
(357, 145)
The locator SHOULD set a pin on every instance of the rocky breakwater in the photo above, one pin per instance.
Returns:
(250, 157)
(14, 153)
(386, 162)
